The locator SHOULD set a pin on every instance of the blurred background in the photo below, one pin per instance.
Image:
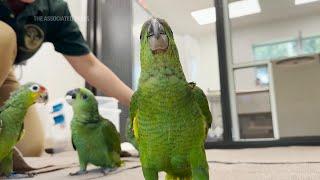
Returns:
(264, 90)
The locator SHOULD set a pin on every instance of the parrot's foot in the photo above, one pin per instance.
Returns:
(106, 171)
(20, 176)
(78, 173)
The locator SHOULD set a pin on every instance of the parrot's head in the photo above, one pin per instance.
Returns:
(30, 94)
(158, 48)
(156, 35)
(82, 100)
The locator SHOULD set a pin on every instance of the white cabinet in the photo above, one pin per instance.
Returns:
(297, 90)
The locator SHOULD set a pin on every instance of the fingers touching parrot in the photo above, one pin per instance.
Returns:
(95, 138)
(11, 121)
(169, 116)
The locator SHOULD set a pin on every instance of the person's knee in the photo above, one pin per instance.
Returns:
(7, 36)
(8, 50)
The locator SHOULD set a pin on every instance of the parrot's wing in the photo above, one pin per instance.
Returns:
(202, 101)
(132, 124)
(4, 107)
(21, 133)
(111, 136)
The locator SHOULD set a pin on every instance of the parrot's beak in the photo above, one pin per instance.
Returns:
(71, 96)
(158, 40)
(44, 97)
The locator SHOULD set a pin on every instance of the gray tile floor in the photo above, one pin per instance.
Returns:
(287, 163)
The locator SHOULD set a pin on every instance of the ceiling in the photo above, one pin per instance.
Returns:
(177, 13)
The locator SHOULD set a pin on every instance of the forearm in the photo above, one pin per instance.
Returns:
(101, 77)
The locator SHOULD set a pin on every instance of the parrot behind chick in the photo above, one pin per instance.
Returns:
(95, 138)
(169, 117)
(12, 119)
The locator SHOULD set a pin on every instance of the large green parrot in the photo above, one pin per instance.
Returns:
(95, 138)
(169, 116)
(11, 122)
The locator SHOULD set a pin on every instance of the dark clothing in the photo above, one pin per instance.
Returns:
(16, 6)
(44, 21)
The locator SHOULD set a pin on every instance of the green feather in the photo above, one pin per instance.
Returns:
(130, 126)
(202, 101)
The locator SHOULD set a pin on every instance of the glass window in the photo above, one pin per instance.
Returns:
(279, 50)
(275, 85)
(311, 45)
(275, 50)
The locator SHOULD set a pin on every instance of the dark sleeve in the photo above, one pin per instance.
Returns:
(64, 32)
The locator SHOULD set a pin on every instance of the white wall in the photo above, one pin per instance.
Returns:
(244, 38)
(189, 54)
(50, 68)
(207, 70)
(199, 59)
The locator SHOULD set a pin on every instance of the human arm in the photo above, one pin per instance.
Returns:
(101, 77)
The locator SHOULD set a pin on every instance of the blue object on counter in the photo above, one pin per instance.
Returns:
(57, 107)
(59, 119)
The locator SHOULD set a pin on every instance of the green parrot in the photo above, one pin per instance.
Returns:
(169, 117)
(11, 122)
(95, 138)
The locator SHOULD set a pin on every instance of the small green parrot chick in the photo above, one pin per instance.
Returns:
(11, 122)
(95, 138)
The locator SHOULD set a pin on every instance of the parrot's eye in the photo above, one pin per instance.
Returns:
(74, 96)
(35, 88)
(84, 97)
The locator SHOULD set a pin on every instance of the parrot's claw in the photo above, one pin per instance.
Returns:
(106, 171)
(78, 173)
(20, 176)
